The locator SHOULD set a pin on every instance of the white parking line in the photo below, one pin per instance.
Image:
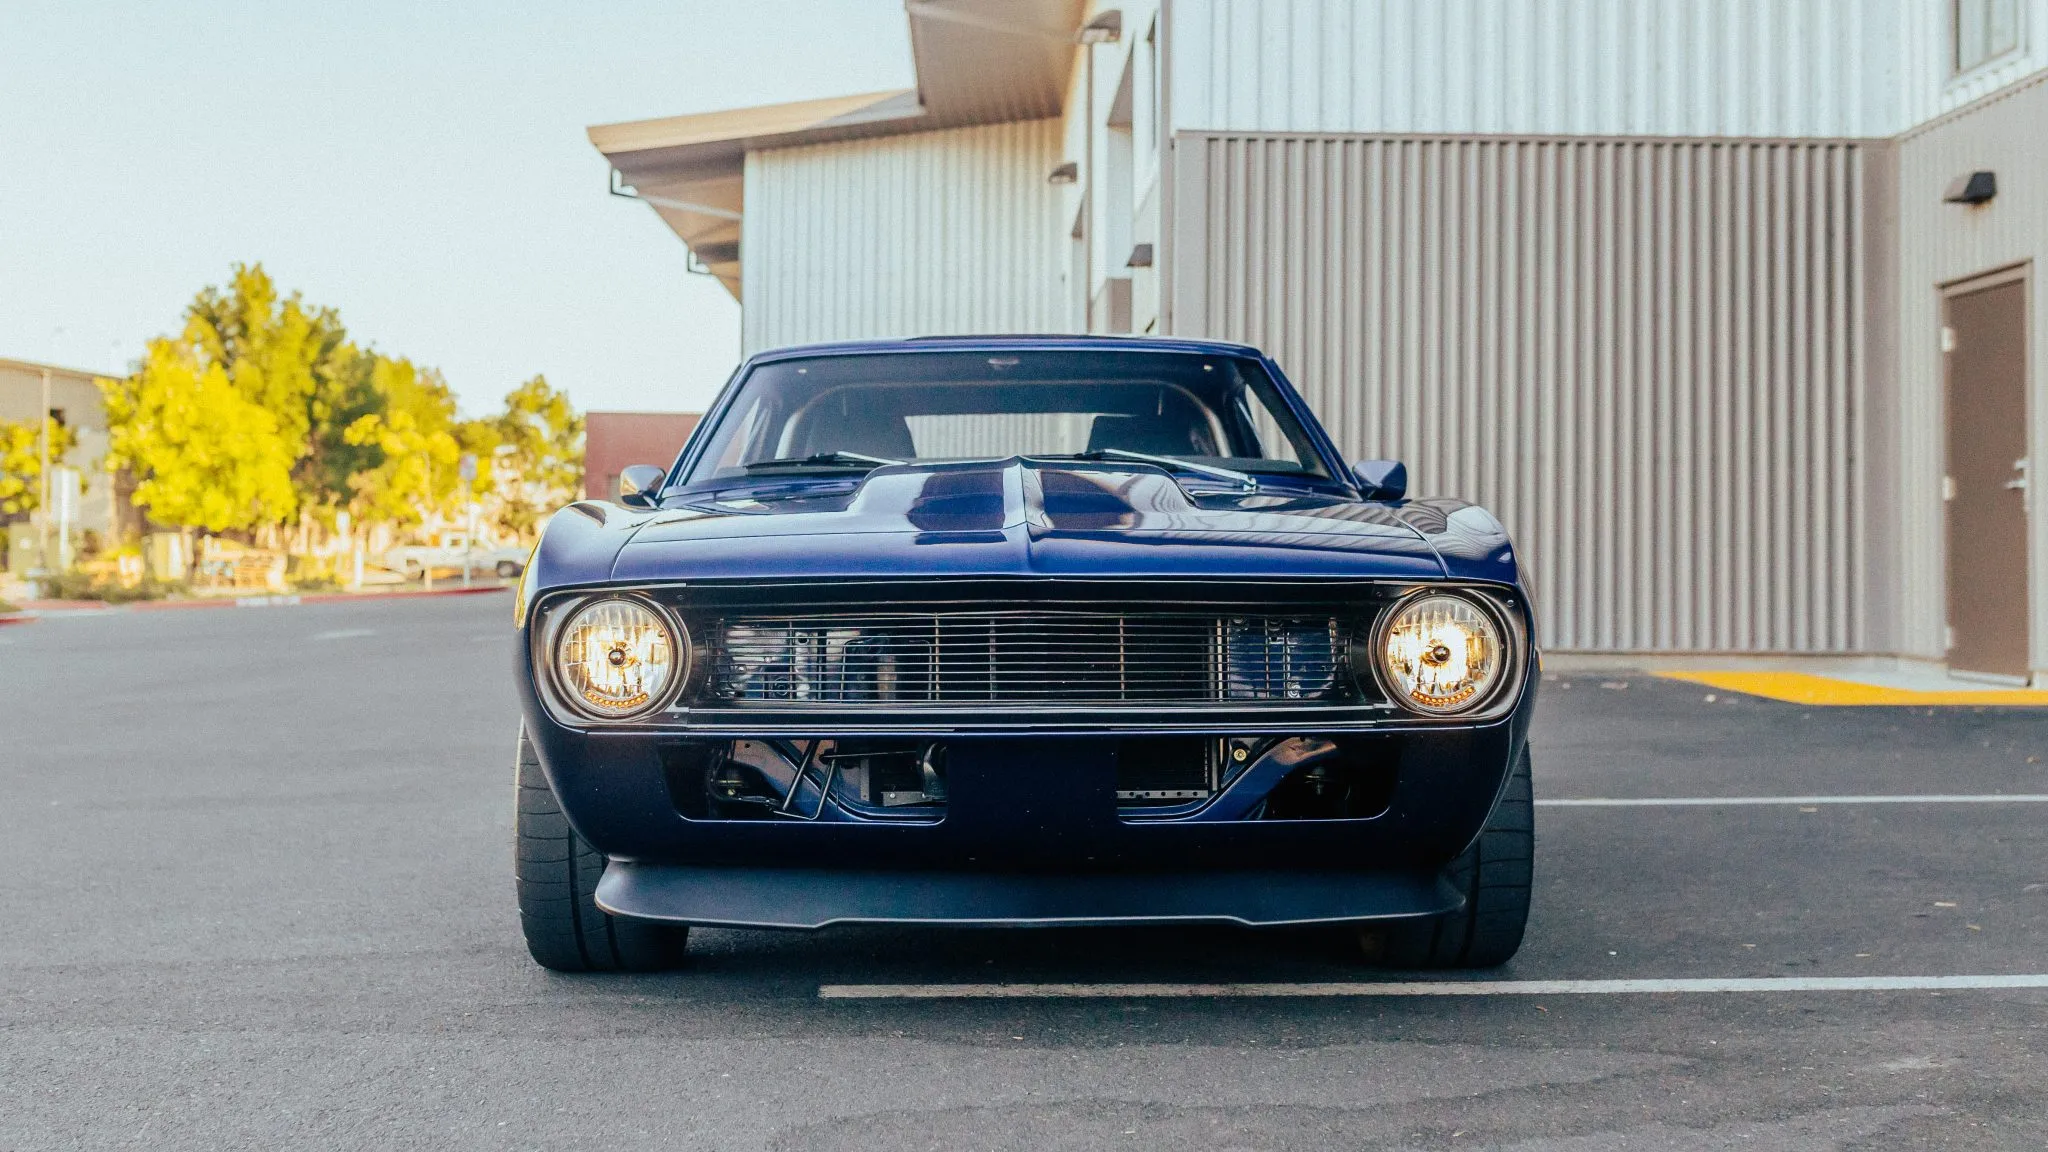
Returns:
(1429, 988)
(1800, 801)
(344, 633)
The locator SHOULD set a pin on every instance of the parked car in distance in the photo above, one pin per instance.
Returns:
(451, 551)
(1022, 631)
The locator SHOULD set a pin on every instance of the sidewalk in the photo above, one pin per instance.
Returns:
(1821, 681)
(32, 610)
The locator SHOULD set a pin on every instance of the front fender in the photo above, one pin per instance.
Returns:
(1469, 541)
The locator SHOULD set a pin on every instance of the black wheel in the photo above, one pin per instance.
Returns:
(507, 569)
(565, 929)
(1495, 874)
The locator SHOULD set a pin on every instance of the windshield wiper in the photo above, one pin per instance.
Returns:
(821, 459)
(1244, 480)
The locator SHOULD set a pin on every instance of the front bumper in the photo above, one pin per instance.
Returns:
(816, 898)
(1032, 834)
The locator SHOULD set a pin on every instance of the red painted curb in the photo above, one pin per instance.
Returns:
(288, 599)
(410, 594)
(64, 605)
(16, 618)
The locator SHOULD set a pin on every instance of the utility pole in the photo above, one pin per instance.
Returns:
(43, 480)
(468, 472)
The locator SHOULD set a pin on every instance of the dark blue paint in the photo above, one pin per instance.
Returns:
(814, 898)
(1381, 479)
(1039, 803)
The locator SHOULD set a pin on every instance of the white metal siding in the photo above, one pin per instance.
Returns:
(1930, 84)
(1941, 243)
(1757, 68)
(930, 234)
(1645, 356)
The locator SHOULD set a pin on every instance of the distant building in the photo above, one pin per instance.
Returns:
(614, 441)
(1729, 309)
(75, 402)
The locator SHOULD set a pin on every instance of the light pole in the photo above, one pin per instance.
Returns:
(467, 470)
(43, 480)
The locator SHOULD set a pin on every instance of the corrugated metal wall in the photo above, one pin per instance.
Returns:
(1940, 243)
(1646, 357)
(929, 234)
(1756, 68)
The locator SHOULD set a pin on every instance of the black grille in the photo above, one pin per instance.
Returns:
(1030, 656)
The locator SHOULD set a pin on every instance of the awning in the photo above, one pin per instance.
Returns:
(977, 61)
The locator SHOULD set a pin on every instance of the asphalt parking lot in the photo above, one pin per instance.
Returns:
(255, 892)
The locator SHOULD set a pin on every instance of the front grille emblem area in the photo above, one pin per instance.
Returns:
(1031, 657)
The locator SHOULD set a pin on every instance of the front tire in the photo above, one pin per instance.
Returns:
(1496, 875)
(558, 873)
(507, 569)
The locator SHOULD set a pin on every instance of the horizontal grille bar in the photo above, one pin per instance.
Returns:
(960, 656)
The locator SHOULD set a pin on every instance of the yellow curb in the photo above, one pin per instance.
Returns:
(1805, 688)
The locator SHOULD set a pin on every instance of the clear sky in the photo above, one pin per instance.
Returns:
(421, 166)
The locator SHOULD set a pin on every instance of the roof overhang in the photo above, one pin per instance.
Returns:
(977, 62)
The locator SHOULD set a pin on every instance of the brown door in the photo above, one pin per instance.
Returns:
(1986, 343)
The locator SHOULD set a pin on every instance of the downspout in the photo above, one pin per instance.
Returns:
(1163, 273)
(1088, 190)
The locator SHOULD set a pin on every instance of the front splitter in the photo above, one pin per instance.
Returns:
(809, 898)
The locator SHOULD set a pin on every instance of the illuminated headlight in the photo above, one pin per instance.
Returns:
(617, 658)
(1442, 654)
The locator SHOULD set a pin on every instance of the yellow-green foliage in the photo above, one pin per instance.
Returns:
(21, 462)
(414, 434)
(203, 454)
(262, 410)
(543, 436)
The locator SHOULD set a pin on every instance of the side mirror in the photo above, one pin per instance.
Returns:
(640, 485)
(1381, 479)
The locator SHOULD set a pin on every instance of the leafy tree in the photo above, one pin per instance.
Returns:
(331, 460)
(297, 363)
(21, 462)
(262, 409)
(540, 439)
(204, 455)
(413, 434)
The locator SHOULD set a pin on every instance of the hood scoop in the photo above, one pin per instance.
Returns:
(982, 496)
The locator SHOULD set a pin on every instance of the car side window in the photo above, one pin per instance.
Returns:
(1273, 443)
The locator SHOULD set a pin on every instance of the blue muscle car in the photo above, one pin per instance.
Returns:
(1021, 631)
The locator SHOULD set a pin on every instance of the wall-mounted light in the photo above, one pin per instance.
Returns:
(1068, 173)
(1141, 256)
(1975, 188)
(1106, 28)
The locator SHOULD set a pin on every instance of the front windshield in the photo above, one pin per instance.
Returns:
(852, 412)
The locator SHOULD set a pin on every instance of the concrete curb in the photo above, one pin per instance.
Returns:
(287, 600)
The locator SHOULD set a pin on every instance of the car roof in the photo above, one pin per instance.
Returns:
(1008, 343)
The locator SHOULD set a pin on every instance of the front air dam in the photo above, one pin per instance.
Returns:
(815, 898)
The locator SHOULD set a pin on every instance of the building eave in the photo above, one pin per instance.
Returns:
(977, 62)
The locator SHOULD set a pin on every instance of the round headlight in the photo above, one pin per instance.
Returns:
(618, 658)
(1442, 654)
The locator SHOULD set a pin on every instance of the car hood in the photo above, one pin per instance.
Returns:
(1024, 517)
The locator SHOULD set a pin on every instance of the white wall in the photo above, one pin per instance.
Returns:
(1085, 140)
(1941, 243)
(930, 234)
(1933, 89)
(1760, 68)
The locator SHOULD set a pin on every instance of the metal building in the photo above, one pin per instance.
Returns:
(1702, 297)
